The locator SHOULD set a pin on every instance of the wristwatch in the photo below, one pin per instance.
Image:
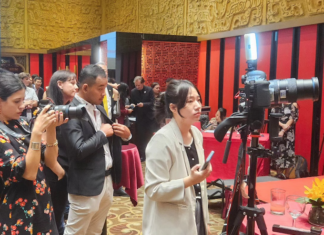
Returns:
(35, 146)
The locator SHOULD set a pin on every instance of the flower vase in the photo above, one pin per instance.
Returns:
(316, 216)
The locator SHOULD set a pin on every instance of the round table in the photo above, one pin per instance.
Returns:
(132, 174)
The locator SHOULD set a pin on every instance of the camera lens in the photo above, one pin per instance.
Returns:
(290, 90)
(308, 89)
(76, 112)
(71, 112)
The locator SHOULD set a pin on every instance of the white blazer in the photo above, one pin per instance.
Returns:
(169, 208)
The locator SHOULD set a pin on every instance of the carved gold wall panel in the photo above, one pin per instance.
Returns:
(161, 16)
(55, 23)
(50, 23)
(39, 24)
(120, 16)
(210, 16)
(282, 10)
(13, 23)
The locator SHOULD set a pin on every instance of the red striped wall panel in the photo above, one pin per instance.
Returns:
(201, 82)
(214, 76)
(61, 64)
(85, 61)
(47, 69)
(264, 52)
(73, 64)
(285, 38)
(34, 63)
(229, 66)
(243, 64)
(306, 70)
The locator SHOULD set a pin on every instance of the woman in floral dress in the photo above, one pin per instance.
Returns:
(286, 147)
(25, 202)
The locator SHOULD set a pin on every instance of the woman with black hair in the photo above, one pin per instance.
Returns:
(62, 89)
(219, 117)
(175, 199)
(25, 202)
(156, 89)
(124, 104)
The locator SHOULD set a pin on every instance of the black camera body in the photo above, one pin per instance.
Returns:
(259, 94)
(68, 112)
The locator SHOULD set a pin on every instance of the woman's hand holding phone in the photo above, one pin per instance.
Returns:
(197, 176)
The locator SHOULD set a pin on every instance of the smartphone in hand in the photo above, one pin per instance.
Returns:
(210, 156)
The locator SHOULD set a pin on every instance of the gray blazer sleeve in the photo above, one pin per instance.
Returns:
(158, 184)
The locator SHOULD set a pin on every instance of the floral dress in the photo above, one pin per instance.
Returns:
(286, 147)
(25, 206)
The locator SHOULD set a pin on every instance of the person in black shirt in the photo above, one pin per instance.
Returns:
(143, 97)
(61, 91)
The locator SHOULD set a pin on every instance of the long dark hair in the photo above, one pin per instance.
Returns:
(123, 91)
(9, 84)
(176, 93)
(53, 91)
(222, 113)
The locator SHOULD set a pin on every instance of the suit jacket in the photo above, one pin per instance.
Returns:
(169, 207)
(145, 96)
(40, 93)
(86, 154)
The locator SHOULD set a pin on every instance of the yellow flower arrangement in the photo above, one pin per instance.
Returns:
(315, 195)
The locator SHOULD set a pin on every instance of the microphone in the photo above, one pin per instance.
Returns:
(205, 127)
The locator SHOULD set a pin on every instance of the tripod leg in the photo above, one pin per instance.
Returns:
(261, 224)
(237, 223)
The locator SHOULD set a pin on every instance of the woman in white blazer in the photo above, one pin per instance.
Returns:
(175, 200)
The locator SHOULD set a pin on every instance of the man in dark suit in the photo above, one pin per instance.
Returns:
(94, 156)
(38, 89)
(143, 97)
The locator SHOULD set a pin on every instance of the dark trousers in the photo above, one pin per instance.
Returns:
(59, 197)
(144, 134)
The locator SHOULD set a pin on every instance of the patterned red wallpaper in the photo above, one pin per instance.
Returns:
(162, 60)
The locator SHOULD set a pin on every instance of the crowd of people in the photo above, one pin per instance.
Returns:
(61, 163)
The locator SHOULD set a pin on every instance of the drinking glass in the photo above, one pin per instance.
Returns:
(277, 204)
(295, 206)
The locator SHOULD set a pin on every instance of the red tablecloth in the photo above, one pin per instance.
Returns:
(132, 176)
(284, 220)
(227, 171)
(292, 187)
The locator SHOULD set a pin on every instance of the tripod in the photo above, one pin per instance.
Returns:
(237, 213)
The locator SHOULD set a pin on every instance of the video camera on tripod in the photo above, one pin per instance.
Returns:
(257, 95)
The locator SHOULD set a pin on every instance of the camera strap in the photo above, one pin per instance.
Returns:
(8, 131)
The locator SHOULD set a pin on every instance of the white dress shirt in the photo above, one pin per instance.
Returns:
(109, 103)
(95, 116)
(30, 94)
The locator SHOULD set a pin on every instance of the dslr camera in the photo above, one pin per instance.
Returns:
(68, 112)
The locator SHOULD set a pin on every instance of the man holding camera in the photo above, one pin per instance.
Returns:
(94, 156)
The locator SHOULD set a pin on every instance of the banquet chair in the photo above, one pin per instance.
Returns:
(217, 193)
